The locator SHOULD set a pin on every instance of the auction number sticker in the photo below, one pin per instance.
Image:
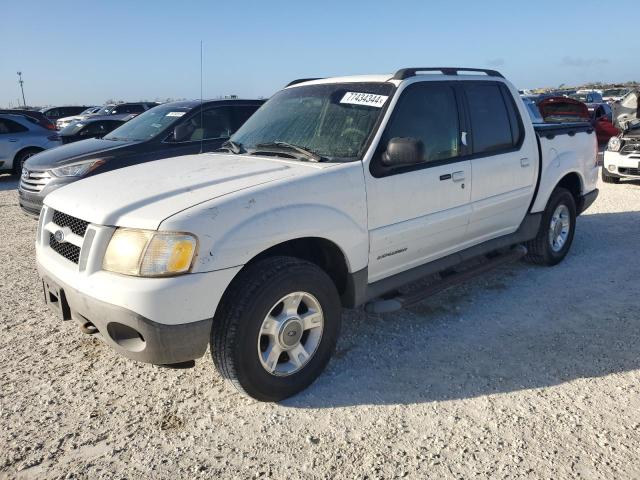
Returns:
(175, 114)
(368, 99)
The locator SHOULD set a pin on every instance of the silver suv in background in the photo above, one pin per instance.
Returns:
(20, 138)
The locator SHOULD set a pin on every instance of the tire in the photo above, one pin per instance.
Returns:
(22, 157)
(543, 250)
(240, 349)
(606, 178)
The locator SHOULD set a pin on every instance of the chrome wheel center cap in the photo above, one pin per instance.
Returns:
(557, 230)
(291, 333)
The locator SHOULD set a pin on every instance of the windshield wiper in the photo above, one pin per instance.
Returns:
(306, 153)
(233, 147)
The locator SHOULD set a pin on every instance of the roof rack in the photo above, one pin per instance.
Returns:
(411, 72)
(300, 80)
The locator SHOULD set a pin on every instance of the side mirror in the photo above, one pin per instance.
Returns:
(182, 132)
(403, 151)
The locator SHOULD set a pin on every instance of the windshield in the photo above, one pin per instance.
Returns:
(105, 110)
(615, 92)
(87, 111)
(330, 120)
(148, 124)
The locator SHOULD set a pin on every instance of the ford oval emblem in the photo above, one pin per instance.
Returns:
(25, 174)
(59, 236)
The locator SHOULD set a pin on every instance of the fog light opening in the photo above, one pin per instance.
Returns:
(612, 168)
(125, 336)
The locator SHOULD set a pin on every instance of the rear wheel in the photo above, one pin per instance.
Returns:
(276, 328)
(606, 178)
(557, 228)
(21, 157)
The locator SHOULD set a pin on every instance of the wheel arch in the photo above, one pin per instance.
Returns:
(22, 150)
(571, 180)
(324, 253)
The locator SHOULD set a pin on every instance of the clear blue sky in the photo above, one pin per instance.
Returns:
(87, 52)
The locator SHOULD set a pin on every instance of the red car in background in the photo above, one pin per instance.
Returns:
(564, 109)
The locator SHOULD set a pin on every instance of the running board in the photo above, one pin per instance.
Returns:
(449, 279)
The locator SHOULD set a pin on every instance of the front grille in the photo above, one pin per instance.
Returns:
(35, 181)
(67, 250)
(77, 226)
(629, 171)
(629, 147)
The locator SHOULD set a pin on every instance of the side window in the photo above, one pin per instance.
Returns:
(515, 121)
(429, 113)
(95, 128)
(12, 127)
(3, 127)
(241, 114)
(490, 125)
(54, 113)
(216, 123)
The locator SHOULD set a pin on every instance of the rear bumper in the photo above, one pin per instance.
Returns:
(126, 331)
(587, 200)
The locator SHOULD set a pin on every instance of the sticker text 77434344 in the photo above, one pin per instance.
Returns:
(367, 99)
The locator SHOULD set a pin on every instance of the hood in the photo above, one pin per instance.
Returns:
(142, 196)
(73, 152)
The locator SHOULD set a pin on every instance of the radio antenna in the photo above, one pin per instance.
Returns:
(201, 112)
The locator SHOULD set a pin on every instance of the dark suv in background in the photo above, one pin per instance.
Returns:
(168, 130)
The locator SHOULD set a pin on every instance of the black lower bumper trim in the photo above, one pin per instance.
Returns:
(133, 335)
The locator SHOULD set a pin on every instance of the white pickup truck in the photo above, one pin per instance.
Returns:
(335, 193)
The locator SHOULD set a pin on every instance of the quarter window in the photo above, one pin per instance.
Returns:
(490, 125)
(428, 113)
(9, 126)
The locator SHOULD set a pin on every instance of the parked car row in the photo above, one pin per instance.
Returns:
(168, 130)
(554, 109)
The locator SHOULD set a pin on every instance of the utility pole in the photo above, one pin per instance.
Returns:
(21, 82)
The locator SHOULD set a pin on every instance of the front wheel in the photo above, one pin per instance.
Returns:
(22, 157)
(557, 228)
(276, 327)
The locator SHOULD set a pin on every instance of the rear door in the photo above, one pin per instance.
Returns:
(419, 213)
(12, 139)
(503, 164)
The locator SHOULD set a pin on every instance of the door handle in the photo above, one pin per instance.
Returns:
(457, 176)
(524, 162)
(13, 139)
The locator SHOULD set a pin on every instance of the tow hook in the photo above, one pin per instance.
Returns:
(88, 328)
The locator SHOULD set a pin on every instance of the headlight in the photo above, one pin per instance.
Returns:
(76, 169)
(148, 253)
(615, 144)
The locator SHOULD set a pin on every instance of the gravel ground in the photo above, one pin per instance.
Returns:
(528, 372)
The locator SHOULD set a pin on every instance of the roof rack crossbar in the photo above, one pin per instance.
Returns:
(300, 80)
(412, 72)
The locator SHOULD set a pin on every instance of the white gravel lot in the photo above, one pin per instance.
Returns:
(529, 372)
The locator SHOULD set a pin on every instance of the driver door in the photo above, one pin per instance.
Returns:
(421, 212)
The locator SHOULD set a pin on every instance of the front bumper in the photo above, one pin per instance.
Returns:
(156, 320)
(31, 202)
(127, 332)
(623, 166)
